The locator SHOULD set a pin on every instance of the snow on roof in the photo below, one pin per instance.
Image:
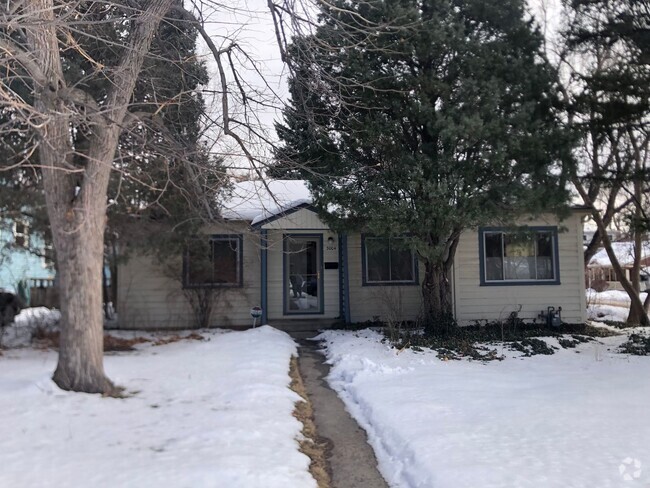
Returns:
(624, 252)
(257, 200)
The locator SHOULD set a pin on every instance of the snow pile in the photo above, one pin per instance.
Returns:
(214, 413)
(566, 420)
(610, 313)
(610, 305)
(257, 200)
(20, 333)
(612, 297)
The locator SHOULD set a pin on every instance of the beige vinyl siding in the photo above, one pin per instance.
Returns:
(385, 302)
(148, 299)
(276, 279)
(475, 302)
(303, 220)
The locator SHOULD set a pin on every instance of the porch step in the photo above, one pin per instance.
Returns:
(304, 327)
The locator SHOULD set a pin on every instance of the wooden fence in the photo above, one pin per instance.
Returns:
(43, 293)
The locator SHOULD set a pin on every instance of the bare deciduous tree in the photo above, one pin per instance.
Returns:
(607, 105)
(77, 127)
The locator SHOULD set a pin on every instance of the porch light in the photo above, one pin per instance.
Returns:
(330, 241)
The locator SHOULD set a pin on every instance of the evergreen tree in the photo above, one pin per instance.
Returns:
(424, 118)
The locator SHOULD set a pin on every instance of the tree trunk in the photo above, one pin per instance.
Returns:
(436, 295)
(75, 181)
(635, 317)
(638, 314)
(638, 310)
(80, 366)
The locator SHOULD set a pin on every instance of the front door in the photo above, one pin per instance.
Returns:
(303, 277)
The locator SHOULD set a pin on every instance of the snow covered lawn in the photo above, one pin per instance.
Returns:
(574, 419)
(612, 305)
(213, 413)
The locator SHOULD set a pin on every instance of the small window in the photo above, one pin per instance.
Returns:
(528, 256)
(48, 256)
(21, 233)
(388, 261)
(214, 263)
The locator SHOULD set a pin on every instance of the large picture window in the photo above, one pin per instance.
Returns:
(388, 261)
(214, 262)
(528, 256)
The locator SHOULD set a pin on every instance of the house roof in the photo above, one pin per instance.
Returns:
(260, 201)
(624, 252)
(257, 201)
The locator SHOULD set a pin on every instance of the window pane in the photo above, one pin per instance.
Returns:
(377, 260)
(224, 260)
(545, 269)
(519, 257)
(493, 256)
(401, 262)
(199, 266)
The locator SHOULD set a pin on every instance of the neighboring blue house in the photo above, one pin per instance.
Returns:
(17, 263)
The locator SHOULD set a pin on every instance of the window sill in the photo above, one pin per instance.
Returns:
(520, 283)
(390, 283)
(213, 286)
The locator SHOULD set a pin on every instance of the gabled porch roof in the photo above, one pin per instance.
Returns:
(260, 202)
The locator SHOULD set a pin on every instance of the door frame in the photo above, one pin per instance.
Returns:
(285, 281)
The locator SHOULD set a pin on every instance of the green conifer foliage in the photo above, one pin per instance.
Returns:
(424, 118)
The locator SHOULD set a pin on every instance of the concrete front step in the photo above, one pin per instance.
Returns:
(294, 326)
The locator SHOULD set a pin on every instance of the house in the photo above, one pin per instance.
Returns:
(19, 262)
(274, 251)
(600, 272)
(588, 235)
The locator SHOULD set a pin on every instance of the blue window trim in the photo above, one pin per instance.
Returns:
(285, 281)
(364, 277)
(264, 275)
(556, 256)
(240, 264)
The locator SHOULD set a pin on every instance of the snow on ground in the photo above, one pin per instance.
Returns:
(566, 420)
(612, 313)
(611, 297)
(214, 413)
(20, 333)
(611, 305)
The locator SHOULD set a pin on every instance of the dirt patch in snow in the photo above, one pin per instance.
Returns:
(311, 445)
(175, 338)
(49, 339)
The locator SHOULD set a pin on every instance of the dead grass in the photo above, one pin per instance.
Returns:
(175, 338)
(49, 339)
(112, 343)
(311, 445)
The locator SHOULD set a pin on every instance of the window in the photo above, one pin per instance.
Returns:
(388, 261)
(528, 256)
(214, 263)
(48, 256)
(21, 233)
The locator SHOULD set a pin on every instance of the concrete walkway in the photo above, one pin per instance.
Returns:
(352, 460)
